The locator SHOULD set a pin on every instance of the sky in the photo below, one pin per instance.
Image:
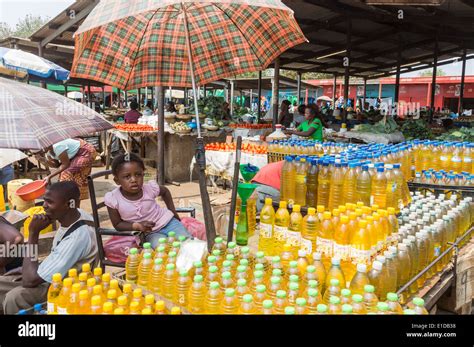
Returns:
(12, 10)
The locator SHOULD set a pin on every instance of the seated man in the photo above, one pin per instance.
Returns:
(268, 180)
(74, 244)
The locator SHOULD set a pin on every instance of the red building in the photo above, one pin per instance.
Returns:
(412, 90)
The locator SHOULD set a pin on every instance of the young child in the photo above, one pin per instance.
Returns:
(133, 206)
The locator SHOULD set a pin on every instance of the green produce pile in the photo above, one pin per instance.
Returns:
(211, 106)
(462, 134)
(416, 129)
(388, 127)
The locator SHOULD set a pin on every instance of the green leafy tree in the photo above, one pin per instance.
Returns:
(25, 27)
(429, 73)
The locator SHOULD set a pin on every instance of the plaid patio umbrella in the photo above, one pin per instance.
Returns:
(34, 118)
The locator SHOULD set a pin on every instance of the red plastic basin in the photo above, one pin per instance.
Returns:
(32, 191)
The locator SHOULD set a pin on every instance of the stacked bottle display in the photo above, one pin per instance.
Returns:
(354, 234)
(463, 179)
(334, 181)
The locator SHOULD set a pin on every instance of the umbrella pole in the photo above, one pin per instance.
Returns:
(200, 150)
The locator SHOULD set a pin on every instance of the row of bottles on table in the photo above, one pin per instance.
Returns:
(463, 179)
(307, 147)
(351, 232)
(331, 182)
(97, 293)
(447, 156)
(232, 281)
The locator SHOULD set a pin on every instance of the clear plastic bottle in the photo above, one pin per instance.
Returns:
(96, 305)
(227, 281)
(322, 309)
(280, 302)
(324, 241)
(370, 299)
(247, 305)
(282, 222)
(242, 288)
(364, 186)
(294, 230)
(182, 288)
(230, 304)
(131, 266)
(379, 188)
(335, 272)
(274, 286)
(144, 269)
(63, 298)
(419, 306)
(300, 182)
(267, 307)
(197, 293)
(53, 293)
(309, 232)
(312, 185)
(360, 280)
(324, 184)
(168, 286)
(333, 289)
(336, 196)
(350, 184)
(84, 304)
(288, 174)
(358, 305)
(267, 219)
(393, 304)
(301, 307)
(313, 300)
(334, 306)
(342, 245)
(377, 279)
(320, 271)
(212, 275)
(213, 299)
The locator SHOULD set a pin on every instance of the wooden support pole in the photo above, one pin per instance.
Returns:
(463, 77)
(276, 91)
(160, 161)
(259, 92)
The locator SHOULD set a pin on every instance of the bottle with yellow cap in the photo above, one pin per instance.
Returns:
(182, 288)
(160, 307)
(197, 294)
(72, 273)
(83, 280)
(309, 231)
(112, 297)
(107, 308)
(63, 298)
(53, 292)
(294, 230)
(175, 310)
(128, 292)
(360, 244)
(97, 290)
(137, 298)
(131, 266)
(106, 282)
(282, 222)
(342, 244)
(267, 220)
(86, 268)
(90, 285)
(84, 304)
(336, 217)
(122, 302)
(73, 298)
(98, 275)
(135, 308)
(114, 284)
(96, 305)
(149, 302)
(325, 239)
(119, 311)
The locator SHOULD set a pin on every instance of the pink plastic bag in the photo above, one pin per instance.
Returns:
(116, 249)
(195, 227)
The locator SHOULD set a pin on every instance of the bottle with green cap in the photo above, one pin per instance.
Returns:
(360, 279)
(230, 303)
(382, 308)
(333, 289)
(418, 305)
(292, 270)
(313, 300)
(168, 286)
(172, 257)
(212, 275)
(280, 302)
(232, 249)
(211, 261)
(244, 262)
(358, 305)
(197, 294)
(171, 238)
(370, 299)
(257, 279)
(293, 292)
(301, 306)
(314, 284)
(267, 307)
(242, 288)
(182, 288)
(393, 304)
(280, 228)
(346, 296)
(260, 258)
(267, 220)
(227, 281)
(156, 274)
(409, 311)
(243, 272)
(274, 286)
(227, 267)
(233, 262)
(219, 244)
(131, 266)
(181, 238)
(286, 256)
(213, 299)
(259, 295)
(334, 306)
(320, 271)
(247, 305)
(160, 252)
(289, 310)
(175, 247)
(197, 269)
(147, 249)
(322, 309)
(219, 257)
(347, 309)
(144, 270)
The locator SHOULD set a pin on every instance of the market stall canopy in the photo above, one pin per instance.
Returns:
(35, 118)
(9, 156)
(75, 95)
(143, 43)
(324, 98)
(376, 35)
(33, 65)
